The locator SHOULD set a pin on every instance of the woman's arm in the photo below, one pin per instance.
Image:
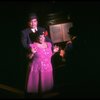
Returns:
(32, 51)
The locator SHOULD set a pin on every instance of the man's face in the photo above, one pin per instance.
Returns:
(33, 23)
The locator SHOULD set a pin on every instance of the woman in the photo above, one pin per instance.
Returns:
(40, 75)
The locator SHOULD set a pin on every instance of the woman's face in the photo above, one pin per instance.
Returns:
(33, 23)
(41, 38)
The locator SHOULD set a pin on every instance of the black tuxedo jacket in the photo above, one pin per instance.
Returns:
(25, 36)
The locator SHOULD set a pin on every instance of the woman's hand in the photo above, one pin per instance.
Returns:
(56, 49)
(30, 55)
(33, 50)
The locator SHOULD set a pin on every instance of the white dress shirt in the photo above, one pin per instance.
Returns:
(34, 30)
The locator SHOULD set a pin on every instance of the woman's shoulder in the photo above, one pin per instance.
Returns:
(33, 44)
(48, 43)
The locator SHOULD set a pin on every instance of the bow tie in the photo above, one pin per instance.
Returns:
(34, 30)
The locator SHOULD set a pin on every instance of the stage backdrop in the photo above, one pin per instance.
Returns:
(60, 32)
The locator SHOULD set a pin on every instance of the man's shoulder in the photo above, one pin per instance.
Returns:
(41, 28)
(27, 30)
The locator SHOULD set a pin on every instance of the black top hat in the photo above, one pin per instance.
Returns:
(32, 16)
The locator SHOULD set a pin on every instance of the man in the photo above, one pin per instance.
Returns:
(33, 26)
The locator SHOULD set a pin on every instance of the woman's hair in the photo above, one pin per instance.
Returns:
(34, 37)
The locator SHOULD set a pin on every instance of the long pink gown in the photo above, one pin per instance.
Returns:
(40, 70)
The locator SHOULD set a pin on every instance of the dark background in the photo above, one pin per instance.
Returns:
(86, 19)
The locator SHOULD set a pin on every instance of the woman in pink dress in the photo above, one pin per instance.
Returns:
(40, 74)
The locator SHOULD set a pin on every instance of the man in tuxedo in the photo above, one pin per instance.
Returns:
(28, 32)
